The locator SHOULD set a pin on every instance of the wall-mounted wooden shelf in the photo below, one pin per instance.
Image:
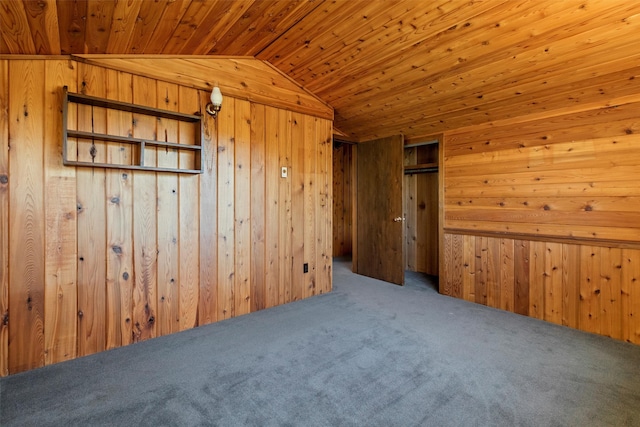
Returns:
(138, 161)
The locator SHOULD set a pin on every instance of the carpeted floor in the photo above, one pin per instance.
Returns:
(367, 354)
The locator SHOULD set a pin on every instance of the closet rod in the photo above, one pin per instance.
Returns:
(420, 144)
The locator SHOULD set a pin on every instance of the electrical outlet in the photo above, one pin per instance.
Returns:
(284, 172)
(305, 268)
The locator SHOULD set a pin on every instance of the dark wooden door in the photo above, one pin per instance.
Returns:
(379, 210)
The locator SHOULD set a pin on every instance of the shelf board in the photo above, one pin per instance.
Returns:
(131, 108)
(129, 167)
(127, 140)
(421, 166)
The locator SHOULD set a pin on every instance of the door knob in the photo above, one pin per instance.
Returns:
(398, 219)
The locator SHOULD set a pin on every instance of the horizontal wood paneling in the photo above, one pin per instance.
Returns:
(136, 255)
(591, 288)
(572, 176)
(553, 205)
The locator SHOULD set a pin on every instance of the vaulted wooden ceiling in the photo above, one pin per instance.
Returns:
(415, 67)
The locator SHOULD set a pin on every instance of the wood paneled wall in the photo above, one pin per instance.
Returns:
(587, 287)
(93, 259)
(342, 199)
(542, 218)
(421, 212)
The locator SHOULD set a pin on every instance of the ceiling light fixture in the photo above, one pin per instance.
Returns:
(216, 102)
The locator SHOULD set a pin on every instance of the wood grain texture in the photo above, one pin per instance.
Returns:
(379, 234)
(242, 182)
(91, 211)
(208, 196)
(168, 233)
(457, 63)
(115, 257)
(188, 216)
(298, 178)
(145, 292)
(4, 217)
(630, 296)
(313, 280)
(521, 276)
(226, 212)
(591, 288)
(324, 132)
(119, 218)
(26, 217)
(242, 78)
(285, 214)
(258, 200)
(60, 233)
(338, 202)
(272, 224)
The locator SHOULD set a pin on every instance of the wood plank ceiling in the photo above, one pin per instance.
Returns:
(414, 67)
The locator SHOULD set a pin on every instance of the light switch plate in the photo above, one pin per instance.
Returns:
(284, 172)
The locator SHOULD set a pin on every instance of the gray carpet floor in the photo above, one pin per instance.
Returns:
(367, 354)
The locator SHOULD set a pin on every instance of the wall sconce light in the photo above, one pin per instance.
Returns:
(216, 102)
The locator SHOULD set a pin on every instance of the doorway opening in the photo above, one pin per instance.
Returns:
(420, 208)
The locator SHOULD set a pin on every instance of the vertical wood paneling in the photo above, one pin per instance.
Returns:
(570, 285)
(610, 303)
(552, 279)
(102, 258)
(226, 210)
(354, 208)
(145, 221)
(208, 214)
(593, 288)
(480, 290)
(507, 275)
(590, 289)
(189, 215)
(630, 290)
(426, 223)
(469, 270)
(536, 280)
(242, 287)
(258, 168)
(4, 218)
(168, 296)
(298, 218)
(285, 214)
(493, 271)
(312, 216)
(26, 216)
(119, 217)
(347, 165)
(446, 285)
(521, 280)
(91, 220)
(323, 132)
(338, 205)
(410, 195)
(60, 234)
(457, 254)
(272, 208)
